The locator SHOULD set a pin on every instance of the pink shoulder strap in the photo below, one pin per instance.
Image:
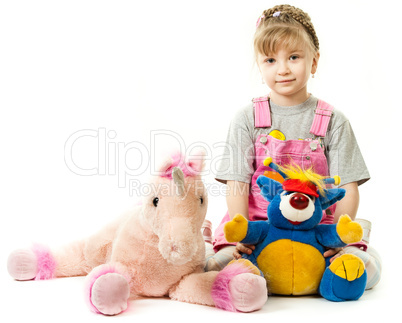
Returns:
(323, 114)
(262, 113)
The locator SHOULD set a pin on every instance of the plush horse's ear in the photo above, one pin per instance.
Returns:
(196, 160)
(269, 187)
(332, 196)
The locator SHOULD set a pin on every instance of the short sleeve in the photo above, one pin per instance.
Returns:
(344, 156)
(236, 162)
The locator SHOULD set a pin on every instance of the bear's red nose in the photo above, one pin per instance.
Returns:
(299, 201)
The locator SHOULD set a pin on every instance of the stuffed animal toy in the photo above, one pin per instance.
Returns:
(290, 245)
(155, 250)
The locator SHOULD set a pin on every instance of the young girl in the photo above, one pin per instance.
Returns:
(290, 125)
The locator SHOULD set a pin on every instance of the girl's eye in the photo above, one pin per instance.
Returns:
(270, 60)
(294, 57)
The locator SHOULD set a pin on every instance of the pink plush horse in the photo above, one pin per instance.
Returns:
(155, 250)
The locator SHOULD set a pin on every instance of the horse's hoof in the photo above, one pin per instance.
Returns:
(22, 264)
(110, 294)
(249, 292)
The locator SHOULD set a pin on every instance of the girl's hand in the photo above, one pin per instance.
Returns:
(336, 252)
(243, 248)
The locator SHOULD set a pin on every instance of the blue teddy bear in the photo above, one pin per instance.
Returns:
(289, 246)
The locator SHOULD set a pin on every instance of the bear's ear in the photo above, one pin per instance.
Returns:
(331, 196)
(269, 187)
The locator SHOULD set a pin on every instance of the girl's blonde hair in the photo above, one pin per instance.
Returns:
(284, 26)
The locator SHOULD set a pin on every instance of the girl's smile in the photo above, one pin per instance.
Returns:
(285, 81)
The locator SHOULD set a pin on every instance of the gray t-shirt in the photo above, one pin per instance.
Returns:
(341, 148)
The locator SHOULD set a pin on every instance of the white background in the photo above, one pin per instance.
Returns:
(124, 71)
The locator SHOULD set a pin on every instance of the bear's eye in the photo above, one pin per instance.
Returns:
(201, 200)
(155, 201)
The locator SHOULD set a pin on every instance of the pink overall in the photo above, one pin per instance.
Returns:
(305, 153)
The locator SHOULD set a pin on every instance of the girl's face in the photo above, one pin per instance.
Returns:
(286, 73)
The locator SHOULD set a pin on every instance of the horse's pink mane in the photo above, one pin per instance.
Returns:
(189, 167)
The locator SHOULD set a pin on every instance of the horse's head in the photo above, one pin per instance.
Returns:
(176, 207)
(298, 202)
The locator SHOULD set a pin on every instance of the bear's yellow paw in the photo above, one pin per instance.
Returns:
(348, 267)
(349, 231)
(236, 229)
